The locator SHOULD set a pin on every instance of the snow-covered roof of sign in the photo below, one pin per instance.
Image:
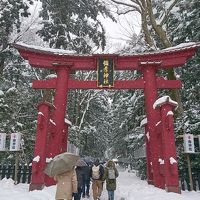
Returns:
(44, 50)
(163, 100)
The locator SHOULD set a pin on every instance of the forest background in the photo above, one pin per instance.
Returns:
(105, 123)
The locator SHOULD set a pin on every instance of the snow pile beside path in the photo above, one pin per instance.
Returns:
(131, 187)
(7, 183)
(9, 191)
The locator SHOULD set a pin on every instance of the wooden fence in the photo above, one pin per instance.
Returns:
(23, 175)
(184, 180)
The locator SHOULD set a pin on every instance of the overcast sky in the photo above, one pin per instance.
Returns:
(125, 26)
(120, 32)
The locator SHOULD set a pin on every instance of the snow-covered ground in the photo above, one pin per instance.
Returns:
(129, 187)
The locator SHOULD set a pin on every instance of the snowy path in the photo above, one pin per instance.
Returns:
(129, 187)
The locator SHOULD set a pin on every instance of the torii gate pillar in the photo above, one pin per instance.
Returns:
(39, 161)
(153, 116)
(60, 103)
(165, 105)
(58, 140)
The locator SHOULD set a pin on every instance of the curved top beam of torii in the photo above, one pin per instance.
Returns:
(53, 58)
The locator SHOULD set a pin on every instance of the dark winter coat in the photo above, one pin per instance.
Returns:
(86, 174)
(110, 183)
(80, 172)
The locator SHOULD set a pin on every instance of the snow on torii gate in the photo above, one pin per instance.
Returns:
(51, 136)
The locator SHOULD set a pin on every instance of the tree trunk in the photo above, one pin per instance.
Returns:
(48, 96)
(163, 39)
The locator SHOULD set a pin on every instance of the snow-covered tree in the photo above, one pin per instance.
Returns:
(11, 13)
(69, 24)
(184, 25)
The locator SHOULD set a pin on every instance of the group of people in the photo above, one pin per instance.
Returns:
(76, 183)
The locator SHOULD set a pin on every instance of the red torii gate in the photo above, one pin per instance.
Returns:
(51, 137)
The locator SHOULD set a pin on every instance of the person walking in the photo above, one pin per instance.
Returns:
(86, 182)
(66, 185)
(80, 176)
(110, 175)
(96, 174)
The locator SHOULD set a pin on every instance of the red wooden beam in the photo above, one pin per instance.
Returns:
(44, 84)
(76, 84)
(168, 84)
(168, 58)
(118, 84)
(120, 62)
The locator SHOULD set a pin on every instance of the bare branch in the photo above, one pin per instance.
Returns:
(140, 4)
(87, 106)
(157, 27)
(151, 15)
(136, 7)
(145, 29)
(165, 18)
(32, 21)
(126, 11)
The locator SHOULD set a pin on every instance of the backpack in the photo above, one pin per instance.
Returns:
(95, 172)
(111, 173)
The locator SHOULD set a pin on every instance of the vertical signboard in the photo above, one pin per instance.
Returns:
(15, 141)
(188, 143)
(105, 71)
(2, 141)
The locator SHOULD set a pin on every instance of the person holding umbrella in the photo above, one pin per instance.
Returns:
(66, 185)
(61, 168)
